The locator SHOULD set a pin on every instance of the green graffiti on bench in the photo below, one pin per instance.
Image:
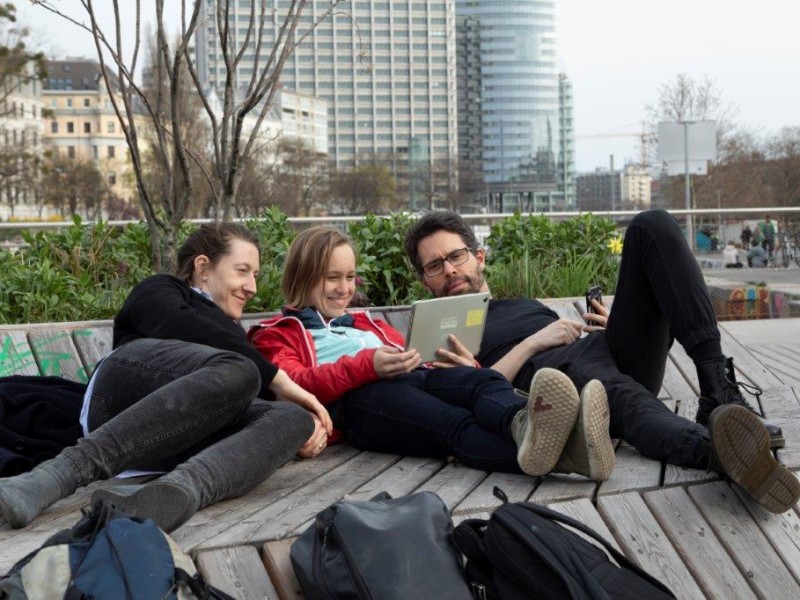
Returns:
(13, 359)
(50, 360)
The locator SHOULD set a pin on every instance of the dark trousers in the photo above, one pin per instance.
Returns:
(660, 296)
(460, 411)
(189, 409)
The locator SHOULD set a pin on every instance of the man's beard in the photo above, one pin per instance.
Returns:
(474, 283)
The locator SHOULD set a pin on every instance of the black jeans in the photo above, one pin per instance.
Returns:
(660, 296)
(169, 404)
(460, 411)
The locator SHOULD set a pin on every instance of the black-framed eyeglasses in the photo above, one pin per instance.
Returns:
(455, 258)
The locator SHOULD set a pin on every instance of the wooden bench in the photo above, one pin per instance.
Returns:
(695, 533)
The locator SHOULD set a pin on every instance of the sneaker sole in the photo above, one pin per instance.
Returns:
(170, 506)
(742, 445)
(553, 404)
(595, 419)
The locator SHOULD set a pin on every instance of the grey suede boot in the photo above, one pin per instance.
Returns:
(170, 501)
(589, 450)
(541, 429)
(24, 496)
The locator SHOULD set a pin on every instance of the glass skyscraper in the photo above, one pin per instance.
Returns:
(525, 105)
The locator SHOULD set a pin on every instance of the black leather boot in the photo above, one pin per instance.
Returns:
(740, 453)
(720, 379)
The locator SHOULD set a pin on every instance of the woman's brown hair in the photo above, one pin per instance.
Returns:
(307, 261)
(212, 240)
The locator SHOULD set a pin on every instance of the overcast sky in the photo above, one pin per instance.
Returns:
(618, 52)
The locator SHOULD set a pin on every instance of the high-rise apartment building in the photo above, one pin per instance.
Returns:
(525, 104)
(387, 72)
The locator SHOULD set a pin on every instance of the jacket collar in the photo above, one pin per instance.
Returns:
(312, 319)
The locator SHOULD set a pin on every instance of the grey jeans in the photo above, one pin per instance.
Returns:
(169, 404)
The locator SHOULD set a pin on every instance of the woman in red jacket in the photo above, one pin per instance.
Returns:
(385, 401)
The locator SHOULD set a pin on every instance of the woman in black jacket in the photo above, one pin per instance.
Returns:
(183, 392)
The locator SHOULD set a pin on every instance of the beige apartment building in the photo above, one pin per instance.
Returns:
(81, 122)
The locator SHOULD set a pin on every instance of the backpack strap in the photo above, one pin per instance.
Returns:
(199, 587)
(621, 559)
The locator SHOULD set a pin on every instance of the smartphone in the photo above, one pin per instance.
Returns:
(593, 293)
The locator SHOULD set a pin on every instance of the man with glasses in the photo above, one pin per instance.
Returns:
(660, 295)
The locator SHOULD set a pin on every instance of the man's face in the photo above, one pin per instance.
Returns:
(466, 278)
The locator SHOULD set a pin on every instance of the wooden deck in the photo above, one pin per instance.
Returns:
(697, 534)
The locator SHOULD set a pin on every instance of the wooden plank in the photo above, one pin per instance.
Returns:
(632, 472)
(783, 408)
(554, 488)
(279, 566)
(16, 356)
(781, 530)
(92, 345)
(517, 487)
(781, 361)
(57, 355)
(282, 517)
(697, 545)
(747, 366)
(237, 571)
(453, 483)
(217, 518)
(584, 511)
(645, 542)
(744, 540)
(673, 475)
(675, 385)
(685, 366)
(400, 479)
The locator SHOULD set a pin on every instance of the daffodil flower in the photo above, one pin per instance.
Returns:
(615, 245)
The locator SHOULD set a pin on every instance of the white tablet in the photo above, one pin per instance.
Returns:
(432, 321)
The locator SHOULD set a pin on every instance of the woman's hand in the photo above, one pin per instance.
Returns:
(286, 389)
(600, 316)
(458, 357)
(558, 333)
(316, 443)
(390, 362)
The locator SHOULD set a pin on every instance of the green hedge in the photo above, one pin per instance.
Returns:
(83, 273)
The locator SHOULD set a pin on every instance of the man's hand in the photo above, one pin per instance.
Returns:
(458, 357)
(559, 333)
(390, 362)
(599, 317)
(316, 443)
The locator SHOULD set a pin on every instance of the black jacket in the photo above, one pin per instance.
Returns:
(38, 418)
(164, 307)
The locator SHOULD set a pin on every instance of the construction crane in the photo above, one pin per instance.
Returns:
(645, 140)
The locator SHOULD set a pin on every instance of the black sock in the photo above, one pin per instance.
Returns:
(707, 351)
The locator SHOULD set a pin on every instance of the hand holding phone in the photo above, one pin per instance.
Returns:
(593, 293)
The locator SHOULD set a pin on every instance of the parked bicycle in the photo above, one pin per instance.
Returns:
(789, 249)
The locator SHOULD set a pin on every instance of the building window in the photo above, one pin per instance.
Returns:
(70, 127)
(70, 151)
(112, 178)
(54, 127)
(111, 151)
(95, 152)
(86, 103)
(69, 102)
(87, 128)
(110, 128)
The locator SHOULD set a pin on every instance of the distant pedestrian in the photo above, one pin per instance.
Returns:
(756, 256)
(765, 234)
(746, 236)
(730, 256)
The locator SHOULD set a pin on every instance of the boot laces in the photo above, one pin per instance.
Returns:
(734, 395)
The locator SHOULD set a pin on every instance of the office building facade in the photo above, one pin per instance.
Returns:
(387, 72)
(526, 139)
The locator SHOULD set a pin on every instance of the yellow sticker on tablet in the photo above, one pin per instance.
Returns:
(475, 318)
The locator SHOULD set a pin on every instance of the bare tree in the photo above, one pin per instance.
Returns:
(270, 37)
(73, 186)
(783, 167)
(366, 188)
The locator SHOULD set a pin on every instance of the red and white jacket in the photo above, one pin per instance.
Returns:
(284, 341)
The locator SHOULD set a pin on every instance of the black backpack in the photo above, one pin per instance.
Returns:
(385, 548)
(523, 552)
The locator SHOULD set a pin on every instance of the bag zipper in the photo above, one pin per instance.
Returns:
(361, 587)
(320, 582)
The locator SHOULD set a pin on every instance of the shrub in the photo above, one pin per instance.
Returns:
(534, 256)
(386, 276)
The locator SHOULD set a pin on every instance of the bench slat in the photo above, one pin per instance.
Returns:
(57, 355)
(16, 356)
(93, 344)
(237, 571)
